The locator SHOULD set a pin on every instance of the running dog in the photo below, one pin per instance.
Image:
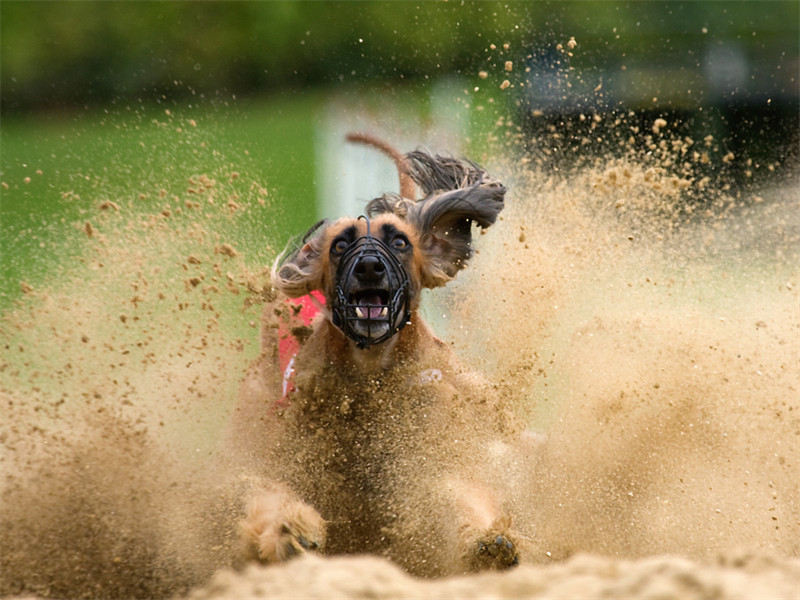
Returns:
(374, 438)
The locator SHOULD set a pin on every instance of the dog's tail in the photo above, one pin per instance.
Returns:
(408, 188)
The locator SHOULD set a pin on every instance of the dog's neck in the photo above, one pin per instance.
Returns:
(381, 356)
(374, 358)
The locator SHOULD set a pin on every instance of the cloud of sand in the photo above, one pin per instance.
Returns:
(646, 327)
(656, 348)
(115, 382)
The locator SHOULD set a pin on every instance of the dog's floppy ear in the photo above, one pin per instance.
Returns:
(458, 193)
(298, 270)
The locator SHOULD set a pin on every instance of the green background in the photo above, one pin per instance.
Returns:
(85, 87)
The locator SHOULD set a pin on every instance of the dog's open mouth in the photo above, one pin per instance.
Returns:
(370, 304)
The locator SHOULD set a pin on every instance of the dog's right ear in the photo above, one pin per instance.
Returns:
(298, 269)
(459, 193)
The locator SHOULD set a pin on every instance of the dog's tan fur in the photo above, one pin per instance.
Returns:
(383, 450)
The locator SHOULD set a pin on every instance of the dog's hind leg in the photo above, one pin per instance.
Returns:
(279, 526)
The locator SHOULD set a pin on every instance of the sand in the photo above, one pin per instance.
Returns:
(582, 576)
(643, 318)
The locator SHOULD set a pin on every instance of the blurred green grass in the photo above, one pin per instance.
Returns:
(56, 169)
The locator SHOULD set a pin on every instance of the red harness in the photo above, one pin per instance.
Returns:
(288, 344)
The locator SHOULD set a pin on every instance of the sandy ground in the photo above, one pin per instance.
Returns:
(586, 577)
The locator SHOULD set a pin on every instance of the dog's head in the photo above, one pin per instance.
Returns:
(371, 269)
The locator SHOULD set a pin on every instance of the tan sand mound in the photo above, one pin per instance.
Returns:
(583, 576)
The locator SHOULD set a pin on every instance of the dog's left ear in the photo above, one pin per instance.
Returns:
(458, 194)
(298, 272)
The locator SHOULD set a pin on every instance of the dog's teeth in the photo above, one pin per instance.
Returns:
(384, 311)
(359, 312)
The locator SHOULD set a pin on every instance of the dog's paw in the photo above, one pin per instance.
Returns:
(495, 552)
(278, 528)
(294, 538)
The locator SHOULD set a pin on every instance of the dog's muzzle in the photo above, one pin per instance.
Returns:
(371, 297)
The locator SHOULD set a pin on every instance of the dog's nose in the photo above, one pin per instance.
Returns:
(370, 268)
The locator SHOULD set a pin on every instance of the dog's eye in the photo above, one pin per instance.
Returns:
(339, 246)
(400, 242)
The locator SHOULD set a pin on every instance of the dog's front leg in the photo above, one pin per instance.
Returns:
(279, 526)
(485, 537)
